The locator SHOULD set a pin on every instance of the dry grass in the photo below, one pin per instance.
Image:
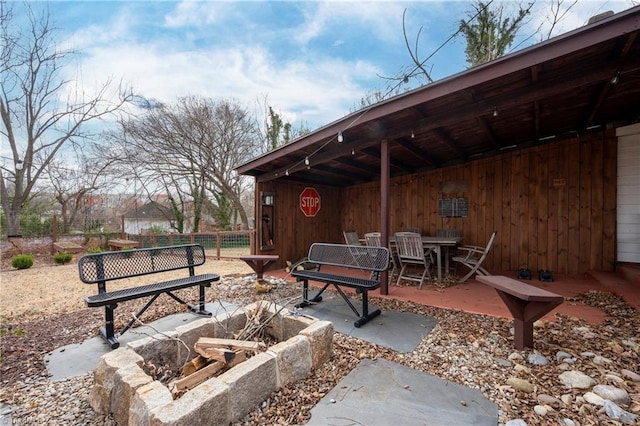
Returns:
(57, 289)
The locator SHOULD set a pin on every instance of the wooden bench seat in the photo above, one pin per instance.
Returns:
(349, 258)
(99, 268)
(526, 303)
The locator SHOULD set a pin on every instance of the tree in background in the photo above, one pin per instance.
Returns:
(189, 149)
(278, 132)
(42, 113)
(491, 30)
(72, 184)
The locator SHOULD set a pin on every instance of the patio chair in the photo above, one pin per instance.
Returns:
(474, 257)
(414, 230)
(448, 233)
(413, 255)
(373, 239)
(352, 238)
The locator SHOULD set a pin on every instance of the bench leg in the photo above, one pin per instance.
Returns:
(305, 295)
(366, 315)
(524, 314)
(199, 309)
(107, 332)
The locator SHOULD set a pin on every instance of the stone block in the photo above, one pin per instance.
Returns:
(161, 349)
(103, 377)
(145, 399)
(293, 359)
(206, 404)
(227, 323)
(320, 335)
(126, 382)
(294, 324)
(190, 333)
(250, 383)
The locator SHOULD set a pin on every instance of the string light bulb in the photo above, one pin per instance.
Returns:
(615, 78)
(495, 112)
(286, 172)
(340, 137)
(412, 135)
(353, 151)
(306, 161)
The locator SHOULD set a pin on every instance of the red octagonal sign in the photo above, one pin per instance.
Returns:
(310, 202)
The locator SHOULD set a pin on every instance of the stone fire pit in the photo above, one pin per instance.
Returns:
(122, 388)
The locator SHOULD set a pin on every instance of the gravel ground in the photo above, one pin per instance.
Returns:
(539, 387)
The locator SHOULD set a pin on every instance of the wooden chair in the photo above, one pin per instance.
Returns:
(373, 239)
(448, 233)
(412, 254)
(474, 257)
(352, 238)
(414, 230)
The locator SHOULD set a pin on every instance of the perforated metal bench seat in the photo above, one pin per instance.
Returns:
(100, 268)
(350, 258)
(117, 296)
(347, 281)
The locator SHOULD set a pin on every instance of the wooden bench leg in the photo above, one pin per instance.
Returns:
(525, 313)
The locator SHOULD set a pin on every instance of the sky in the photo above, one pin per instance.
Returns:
(311, 61)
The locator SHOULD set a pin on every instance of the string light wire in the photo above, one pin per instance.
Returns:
(339, 136)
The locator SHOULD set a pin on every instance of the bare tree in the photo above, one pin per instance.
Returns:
(42, 113)
(190, 147)
(72, 184)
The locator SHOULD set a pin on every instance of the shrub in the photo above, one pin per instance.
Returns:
(22, 261)
(94, 250)
(62, 258)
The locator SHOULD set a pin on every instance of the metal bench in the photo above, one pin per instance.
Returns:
(352, 260)
(526, 303)
(99, 268)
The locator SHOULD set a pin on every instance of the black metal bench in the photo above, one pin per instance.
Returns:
(99, 268)
(350, 259)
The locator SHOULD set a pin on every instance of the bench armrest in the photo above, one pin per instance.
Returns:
(471, 250)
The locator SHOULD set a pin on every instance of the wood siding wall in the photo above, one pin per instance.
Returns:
(554, 207)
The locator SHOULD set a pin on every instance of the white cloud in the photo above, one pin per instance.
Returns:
(197, 13)
(316, 91)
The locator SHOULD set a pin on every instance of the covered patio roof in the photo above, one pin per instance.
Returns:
(576, 83)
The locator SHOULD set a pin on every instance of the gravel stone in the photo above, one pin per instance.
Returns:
(464, 348)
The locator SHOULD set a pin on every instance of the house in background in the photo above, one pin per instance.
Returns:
(152, 215)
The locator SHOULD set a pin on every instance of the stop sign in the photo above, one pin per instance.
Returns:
(310, 202)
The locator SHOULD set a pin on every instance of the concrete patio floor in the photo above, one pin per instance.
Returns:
(475, 297)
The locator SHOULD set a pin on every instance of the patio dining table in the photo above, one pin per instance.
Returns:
(438, 243)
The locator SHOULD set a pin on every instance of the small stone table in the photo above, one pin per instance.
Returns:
(526, 303)
(259, 262)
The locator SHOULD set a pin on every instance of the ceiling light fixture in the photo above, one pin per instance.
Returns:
(340, 137)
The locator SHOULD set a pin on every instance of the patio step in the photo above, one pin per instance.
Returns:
(630, 272)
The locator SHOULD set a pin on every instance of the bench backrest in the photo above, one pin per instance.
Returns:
(113, 265)
(368, 258)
